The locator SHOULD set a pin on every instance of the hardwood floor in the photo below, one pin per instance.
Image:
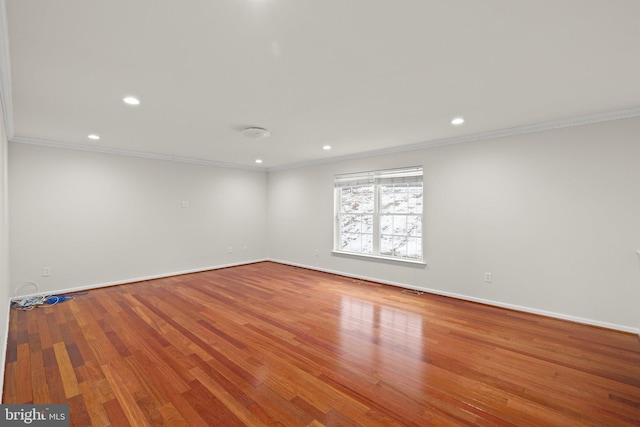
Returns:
(268, 344)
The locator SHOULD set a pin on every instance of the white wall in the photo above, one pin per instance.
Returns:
(553, 215)
(97, 218)
(5, 292)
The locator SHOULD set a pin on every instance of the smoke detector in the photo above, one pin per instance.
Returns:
(255, 132)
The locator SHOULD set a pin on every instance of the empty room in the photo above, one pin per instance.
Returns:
(316, 213)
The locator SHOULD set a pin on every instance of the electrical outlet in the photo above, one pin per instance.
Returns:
(488, 277)
(185, 204)
(230, 249)
(46, 271)
(317, 253)
(245, 248)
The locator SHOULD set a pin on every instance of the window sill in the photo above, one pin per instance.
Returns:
(379, 257)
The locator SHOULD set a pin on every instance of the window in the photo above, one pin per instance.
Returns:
(380, 213)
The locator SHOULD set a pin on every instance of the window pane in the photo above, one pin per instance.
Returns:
(346, 200)
(401, 198)
(400, 246)
(386, 245)
(356, 233)
(414, 225)
(367, 200)
(386, 199)
(408, 247)
(414, 248)
(367, 243)
(386, 224)
(345, 222)
(361, 243)
(367, 224)
(400, 224)
(351, 242)
(349, 224)
(356, 199)
(356, 223)
(415, 199)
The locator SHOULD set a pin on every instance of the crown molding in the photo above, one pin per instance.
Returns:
(5, 71)
(130, 153)
(500, 133)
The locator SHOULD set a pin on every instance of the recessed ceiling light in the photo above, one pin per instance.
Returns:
(258, 161)
(131, 100)
(93, 136)
(255, 132)
(326, 147)
(457, 121)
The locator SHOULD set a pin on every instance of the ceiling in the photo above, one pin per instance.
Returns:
(359, 75)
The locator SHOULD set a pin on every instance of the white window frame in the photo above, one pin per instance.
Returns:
(377, 179)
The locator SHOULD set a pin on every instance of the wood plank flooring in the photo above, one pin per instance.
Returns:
(269, 344)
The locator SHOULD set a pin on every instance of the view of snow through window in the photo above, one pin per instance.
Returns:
(380, 218)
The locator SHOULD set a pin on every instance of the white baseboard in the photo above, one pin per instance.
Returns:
(524, 309)
(138, 279)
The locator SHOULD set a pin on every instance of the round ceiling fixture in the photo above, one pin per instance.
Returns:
(255, 132)
(457, 121)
